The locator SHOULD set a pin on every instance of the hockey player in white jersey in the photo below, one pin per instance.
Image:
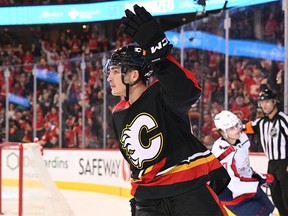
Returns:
(243, 196)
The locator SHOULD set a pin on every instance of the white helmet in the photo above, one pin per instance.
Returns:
(225, 120)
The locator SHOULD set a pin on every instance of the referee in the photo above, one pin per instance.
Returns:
(273, 134)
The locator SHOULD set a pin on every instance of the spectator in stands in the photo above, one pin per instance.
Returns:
(79, 134)
(208, 141)
(11, 112)
(26, 127)
(93, 43)
(46, 99)
(50, 138)
(207, 94)
(73, 88)
(28, 59)
(111, 142)
(196, 70)
(247, 79)
(17, 89)
(271, 28)
(219, 92)
(259, 79)
(70, 137)
(35, 52)
(241, 106)
(40, 121)
(279, 88)
(15, 134)
(193, 55)
(216, 108)
(52, 115)
(75, 46)
(50, 53)
(208, 126)
(214, 59)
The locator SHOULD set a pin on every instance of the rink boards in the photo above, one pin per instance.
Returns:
(102, 171)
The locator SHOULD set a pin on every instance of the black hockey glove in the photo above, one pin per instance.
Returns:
(146, 31)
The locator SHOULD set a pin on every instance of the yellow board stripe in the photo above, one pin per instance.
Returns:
(26, 183)
(113, 190)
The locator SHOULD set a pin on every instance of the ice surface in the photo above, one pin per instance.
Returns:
(96, 204)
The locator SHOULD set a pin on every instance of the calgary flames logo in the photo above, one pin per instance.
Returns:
(132, 140)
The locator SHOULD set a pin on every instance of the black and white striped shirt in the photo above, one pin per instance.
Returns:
(273, 135)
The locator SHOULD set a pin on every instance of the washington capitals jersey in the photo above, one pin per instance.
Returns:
(237, 163)
(155, 138)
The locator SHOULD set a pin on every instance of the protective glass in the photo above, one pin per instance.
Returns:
(238, 127)
(112, 66)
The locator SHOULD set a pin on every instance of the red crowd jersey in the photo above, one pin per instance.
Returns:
(155, 138)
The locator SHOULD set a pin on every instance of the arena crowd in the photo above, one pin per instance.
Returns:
(246, 77)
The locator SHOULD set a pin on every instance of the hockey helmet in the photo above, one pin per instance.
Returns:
(225, 119)
(266, 94)
(130, 56)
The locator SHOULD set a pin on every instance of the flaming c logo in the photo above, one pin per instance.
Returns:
(137, 151)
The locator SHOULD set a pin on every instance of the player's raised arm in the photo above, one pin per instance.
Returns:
(178, 83)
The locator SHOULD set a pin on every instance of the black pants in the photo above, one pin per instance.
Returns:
(200, 201)
(279, 190)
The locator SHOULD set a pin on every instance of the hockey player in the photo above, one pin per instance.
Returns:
(170, 168)
(243, 196)
(272, 129)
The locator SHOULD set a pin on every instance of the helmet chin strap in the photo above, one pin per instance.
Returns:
(128, 86)
(127, 92)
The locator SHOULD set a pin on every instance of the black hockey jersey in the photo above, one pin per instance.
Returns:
(154, 136)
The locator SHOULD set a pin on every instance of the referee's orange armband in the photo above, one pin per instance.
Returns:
(247, 129)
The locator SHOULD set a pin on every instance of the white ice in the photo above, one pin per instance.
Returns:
(96, 204)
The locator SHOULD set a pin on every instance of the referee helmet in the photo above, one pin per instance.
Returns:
(266, 94)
